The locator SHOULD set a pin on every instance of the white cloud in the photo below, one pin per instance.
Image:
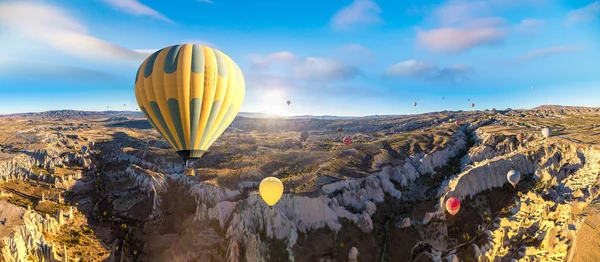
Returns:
(359, 12)
(460, 11)
(292, 74)
(548, 51)
(134, 7)
(456, 40)
(411, 68)
(318, 68)
(356, 54)
(529, 26)
(420, 69)
(47, 71)
(304, 68)
(464, 25)
(264, 62)
(589, 12)
(55, 28)
(206, 1)
(146, 52)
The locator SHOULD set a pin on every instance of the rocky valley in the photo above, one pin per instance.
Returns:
(77, 186)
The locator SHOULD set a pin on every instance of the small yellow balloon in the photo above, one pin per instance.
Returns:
(270, 190)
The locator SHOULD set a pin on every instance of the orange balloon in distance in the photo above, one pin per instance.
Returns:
(452, 205)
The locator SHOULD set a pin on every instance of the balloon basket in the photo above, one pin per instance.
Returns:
(189, 172)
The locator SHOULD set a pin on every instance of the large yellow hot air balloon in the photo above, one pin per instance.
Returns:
(190, 94)
(270, 190)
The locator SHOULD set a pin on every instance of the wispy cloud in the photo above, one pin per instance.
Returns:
(587, 13)
(324, 69)
(134, 7)
(292, 74)
(307, 68)
(410, 68)
(454, 12)
(424, 70)
(548, 51)
(54, 27)
(457, 40)
(45, 71)
(266, 62)
(465, 25)
(206, 1)
(529, 26)
(360, 12)
(356, 54)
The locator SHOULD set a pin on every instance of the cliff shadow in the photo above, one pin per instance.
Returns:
(134, 124)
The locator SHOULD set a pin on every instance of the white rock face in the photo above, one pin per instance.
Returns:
(365, 223)
(492, 173)
(427, 164)
(404, 223)
(27, 241)
(353, 255)
(568, 167)
(388, 187)
(222, 212)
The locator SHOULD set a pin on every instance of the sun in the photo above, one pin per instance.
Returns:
(275, 110)
(273, 102)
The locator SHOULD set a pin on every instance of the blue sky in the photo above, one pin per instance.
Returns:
(336, 57)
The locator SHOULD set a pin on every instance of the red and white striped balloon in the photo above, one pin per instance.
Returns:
(347, 141)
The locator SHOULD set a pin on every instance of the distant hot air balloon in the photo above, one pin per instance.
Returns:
(303, 136)
(452, 205)
(347, 141)
(546, 131)
(415, 103)
(107, 106)
(361, 122)
(513, 177)
(84, 149)
(270, 190)
(124, 104)
(472, 105)
(443, 97)
(190, 94)
(468, 99)
(289, 102)
(533, 87)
